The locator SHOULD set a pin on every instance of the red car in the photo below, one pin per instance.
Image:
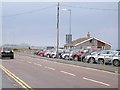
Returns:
(76, 56)
(41, 53)
(79, 56)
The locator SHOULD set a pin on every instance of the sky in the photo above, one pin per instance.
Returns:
(34, 23)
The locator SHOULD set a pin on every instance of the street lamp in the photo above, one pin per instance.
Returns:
(69, 10)
(69, 36)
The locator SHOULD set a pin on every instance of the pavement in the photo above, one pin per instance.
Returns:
(42, 73)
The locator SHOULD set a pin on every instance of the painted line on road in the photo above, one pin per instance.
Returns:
(37, 64)
(29, 62)
(96, 81)
(49, 68)
(116, 73)
(86, 68)
(18, 80)
(7, 60)
(68, 73)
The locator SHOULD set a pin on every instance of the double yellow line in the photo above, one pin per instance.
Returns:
(18, 80)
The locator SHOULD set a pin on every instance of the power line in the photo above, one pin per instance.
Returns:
(90, 8)
(28, 12)
(37, 10)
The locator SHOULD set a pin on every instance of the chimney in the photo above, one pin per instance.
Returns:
(88, 34)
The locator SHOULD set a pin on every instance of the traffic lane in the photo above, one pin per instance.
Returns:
(96, 66)
(48, 80)
(40, 77)
(104, 76)
(51, 67)
(78, 71)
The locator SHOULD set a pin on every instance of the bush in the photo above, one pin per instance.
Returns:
(15, 49)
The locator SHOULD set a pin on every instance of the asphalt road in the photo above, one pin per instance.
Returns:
(109, 68)
(8, 82)
(41, 73)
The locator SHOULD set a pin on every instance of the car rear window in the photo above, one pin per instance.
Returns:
(7, 49)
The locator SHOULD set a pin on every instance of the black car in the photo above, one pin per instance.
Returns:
(7, 52)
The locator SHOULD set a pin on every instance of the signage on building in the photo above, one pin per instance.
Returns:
(68, 38)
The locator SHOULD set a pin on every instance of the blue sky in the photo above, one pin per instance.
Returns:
(38, 28)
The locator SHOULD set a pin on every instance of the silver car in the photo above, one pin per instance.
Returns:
(100, 57)
(116, 59)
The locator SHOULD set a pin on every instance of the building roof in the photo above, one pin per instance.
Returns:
(85, 39)
(78, 40)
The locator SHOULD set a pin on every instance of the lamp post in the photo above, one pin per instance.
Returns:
(69, 35)
(69, 10)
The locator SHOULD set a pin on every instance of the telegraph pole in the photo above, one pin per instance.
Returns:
(57, 29)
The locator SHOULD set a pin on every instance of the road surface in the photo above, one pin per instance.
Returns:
(8, 82)
(41, 73)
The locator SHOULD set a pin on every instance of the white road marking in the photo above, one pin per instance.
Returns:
(85, 68)
(49, 68)
(7, 60)
(29, 62)
(96, 81)
(68, 73)
(81, 67)
(37, 64)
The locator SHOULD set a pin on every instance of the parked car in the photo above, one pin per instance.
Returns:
(88, 52)
(36, 52)
(54, 53)
(116, 59)
(67, 54)
(41, 53)
(80, 55)
(48, 53)
(90, 58)
(7, 52)
(100, 57)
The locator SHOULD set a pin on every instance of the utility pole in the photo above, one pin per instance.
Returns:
(57, 29)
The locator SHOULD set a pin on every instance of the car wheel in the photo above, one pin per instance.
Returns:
(83, 60)
(91, 60)
(66, 57)
(12, 57)
(48, 56)
(1, 57)
(100, 61)
(116, 63)
(76, 58)
(41, 55)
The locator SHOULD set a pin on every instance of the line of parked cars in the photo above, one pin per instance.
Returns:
(92, 55)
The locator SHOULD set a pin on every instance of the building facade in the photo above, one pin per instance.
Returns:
(87, 43)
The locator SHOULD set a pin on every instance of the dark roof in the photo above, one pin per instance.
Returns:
(78, 40)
